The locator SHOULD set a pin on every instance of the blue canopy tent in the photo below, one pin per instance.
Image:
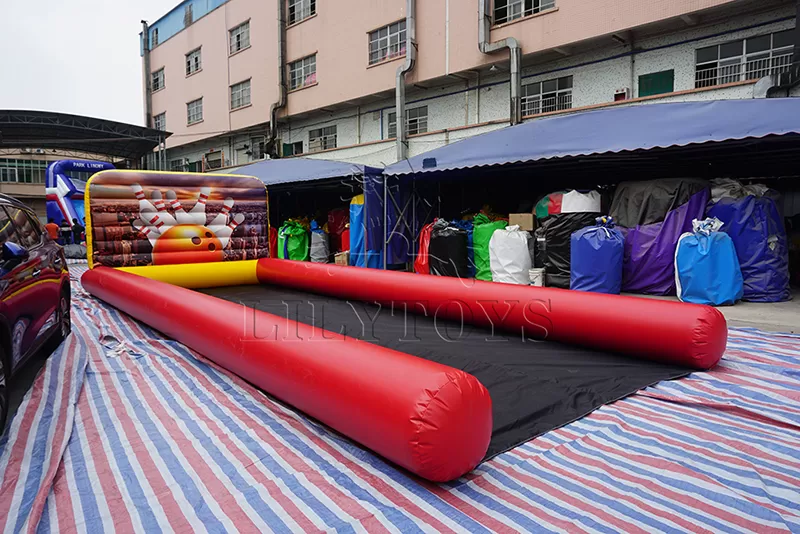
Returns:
(615, 130)
(734, 138)
(370, 220)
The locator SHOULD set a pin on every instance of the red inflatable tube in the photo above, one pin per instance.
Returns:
(670, 332)
(431, 419)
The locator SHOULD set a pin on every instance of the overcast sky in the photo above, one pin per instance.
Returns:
(75, 56)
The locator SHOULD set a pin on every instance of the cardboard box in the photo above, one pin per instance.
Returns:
(342, 258)
(523, 220)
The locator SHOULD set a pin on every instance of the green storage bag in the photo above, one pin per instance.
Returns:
(293, 242)
(481, 235)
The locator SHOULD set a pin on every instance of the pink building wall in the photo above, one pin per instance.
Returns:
(447, 33)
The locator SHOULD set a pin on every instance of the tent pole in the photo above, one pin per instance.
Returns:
(414, 225)
(385, 220)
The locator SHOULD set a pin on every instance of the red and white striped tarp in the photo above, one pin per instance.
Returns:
(125, 430)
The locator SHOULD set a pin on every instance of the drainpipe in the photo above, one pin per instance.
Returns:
(408, 66)
(270, 147)
(515, 51)
(148, 93)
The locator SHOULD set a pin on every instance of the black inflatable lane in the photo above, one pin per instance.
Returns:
(535, 386)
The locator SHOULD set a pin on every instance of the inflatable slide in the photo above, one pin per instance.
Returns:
(434, 374)
(65, 190)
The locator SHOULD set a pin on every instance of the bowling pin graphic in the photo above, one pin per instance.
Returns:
(144, 204)
(155, 221)
(144, 231)
(180, 214)
(224, 234)
(158, 202)
(198, 212)
(221, 220)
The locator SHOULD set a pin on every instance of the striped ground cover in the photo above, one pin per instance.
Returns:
(125, 430)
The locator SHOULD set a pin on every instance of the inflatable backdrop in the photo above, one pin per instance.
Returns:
(141, 218)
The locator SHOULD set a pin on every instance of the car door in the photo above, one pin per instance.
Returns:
(17, 308)
(36, 289)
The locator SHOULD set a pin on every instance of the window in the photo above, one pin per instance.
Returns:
(293, 149)
(7, 231)
(194, 111)
(194, 62)
(301, 9)
(746, 59)
(30, 234)
(258, 148)
(387, 42)
(303, 72)
(240, 37)
(322, 139)
(240, 95)
(213, 160)
(177, 165)
(416, 121)
(657, 83)
(158, 80)
(154, 38)
(550, 95)
(508, 10)
(23, 171)
(160, 121)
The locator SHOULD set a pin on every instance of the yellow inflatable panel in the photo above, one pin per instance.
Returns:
(200, 275)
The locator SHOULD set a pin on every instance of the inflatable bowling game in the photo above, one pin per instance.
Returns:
(435, 374)
(140, 219)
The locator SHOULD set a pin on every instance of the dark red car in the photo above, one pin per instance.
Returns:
(34, 293)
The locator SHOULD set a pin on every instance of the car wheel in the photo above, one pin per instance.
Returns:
(64, 318)
(3, 394)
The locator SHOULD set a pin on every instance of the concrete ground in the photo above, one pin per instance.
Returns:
(773, 316)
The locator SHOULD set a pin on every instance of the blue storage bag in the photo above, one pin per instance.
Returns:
(596, 258)
(755, 225)
(707, 267)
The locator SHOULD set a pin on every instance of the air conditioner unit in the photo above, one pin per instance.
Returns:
(25, 150)
(39, 151)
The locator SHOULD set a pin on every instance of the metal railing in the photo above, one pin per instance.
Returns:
(713, 74)
(533, 105)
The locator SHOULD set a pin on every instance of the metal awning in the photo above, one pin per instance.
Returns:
(61, 131)
(295, 170)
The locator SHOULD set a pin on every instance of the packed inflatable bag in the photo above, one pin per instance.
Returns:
(752, 219)
(568, 202)
(468, 227)
(320, 252)
(75, 252)
(483, 229)
(565, 213)
(509, 256)
(273, 242)
(337, 223)
(652, 216)
(448, 250)
(596, 257)
(363, 253)
(706, 266)
(293, 241)
(422, 261)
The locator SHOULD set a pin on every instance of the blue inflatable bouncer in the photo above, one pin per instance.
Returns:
(707, 267)
(596, 258)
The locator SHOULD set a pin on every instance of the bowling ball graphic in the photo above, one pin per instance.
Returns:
(187, 243)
